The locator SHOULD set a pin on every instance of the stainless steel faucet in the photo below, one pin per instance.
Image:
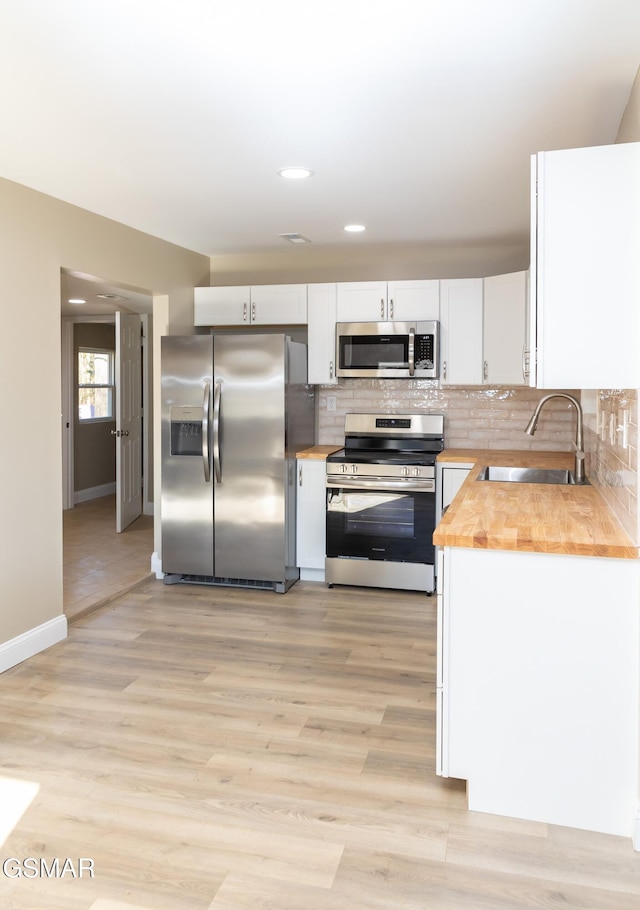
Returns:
(531, 427)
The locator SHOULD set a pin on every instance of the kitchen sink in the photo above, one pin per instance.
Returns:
(527, 475)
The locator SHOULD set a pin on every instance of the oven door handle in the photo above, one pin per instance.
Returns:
(382, 484)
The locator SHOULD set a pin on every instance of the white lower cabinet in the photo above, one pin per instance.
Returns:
(310, 518)
(538, 698)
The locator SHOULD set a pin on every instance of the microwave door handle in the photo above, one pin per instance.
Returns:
(217, 398)
(412, 352)
(205, 433)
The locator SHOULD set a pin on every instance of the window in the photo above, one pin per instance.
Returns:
(95, 384)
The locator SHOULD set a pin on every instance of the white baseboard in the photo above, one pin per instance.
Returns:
(23, 646)
(106, 489)
(156, 565)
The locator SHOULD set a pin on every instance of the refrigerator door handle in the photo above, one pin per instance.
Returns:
(217, 397)
(205, 433)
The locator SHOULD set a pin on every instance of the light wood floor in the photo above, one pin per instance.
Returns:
(221, 749)
(98, 562)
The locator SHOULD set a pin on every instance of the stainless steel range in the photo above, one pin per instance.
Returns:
(381, 502)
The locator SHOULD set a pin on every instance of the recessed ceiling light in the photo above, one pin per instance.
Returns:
(355, 228)
(295, 173)
(76, 300)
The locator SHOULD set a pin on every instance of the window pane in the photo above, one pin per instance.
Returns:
(94, 403)
(94, 367)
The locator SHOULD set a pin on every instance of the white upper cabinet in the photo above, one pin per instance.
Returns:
(381, 301)
(279, 304)
(413, 300)
(321, 312)
(362, 301)
(269, 304)
(461, 331)
(505, 315)
(221, 306)
(585, 268)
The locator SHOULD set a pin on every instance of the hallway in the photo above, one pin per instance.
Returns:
(98, 562)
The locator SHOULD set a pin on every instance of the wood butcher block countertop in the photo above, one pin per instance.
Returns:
(529, 517)
(318, 452)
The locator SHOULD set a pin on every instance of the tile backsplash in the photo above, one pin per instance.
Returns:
(479, 417)
(611, 444)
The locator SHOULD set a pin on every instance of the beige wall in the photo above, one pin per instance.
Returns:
(38, 236)
(352, 262)
(629, 130)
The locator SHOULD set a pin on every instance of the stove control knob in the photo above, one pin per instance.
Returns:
(354, 468)
(416, 472)
(405, 472)
(343, 468)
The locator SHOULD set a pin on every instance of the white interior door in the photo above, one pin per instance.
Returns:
(128, 420)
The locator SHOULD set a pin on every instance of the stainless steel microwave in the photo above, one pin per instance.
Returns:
(389, 350)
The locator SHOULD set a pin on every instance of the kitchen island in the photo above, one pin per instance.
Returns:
(538, 649)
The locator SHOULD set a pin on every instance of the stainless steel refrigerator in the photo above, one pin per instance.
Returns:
(235, 410)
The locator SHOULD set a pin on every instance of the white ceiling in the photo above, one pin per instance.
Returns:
(418, 116)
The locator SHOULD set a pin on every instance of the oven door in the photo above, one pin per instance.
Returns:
(378, 518)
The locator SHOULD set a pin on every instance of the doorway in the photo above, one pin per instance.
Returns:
(99, 562)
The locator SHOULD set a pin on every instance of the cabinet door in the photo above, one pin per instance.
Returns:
(504, 309)
(585, 242)
(221, 306)
(414, 300)
(311, 524)
(321, 312)
(362, 301)
(279, 304)
(461, 331)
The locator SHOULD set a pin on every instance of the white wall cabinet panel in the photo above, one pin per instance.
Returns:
(413, 300)
(321, 319)
(504, 333)
(311, 520)
(271, 304)
(221, 306)
(461, 331)
(381, 301)
(279, 304)
(362, 301)
(585, 266)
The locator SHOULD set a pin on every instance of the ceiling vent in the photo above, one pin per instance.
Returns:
(294, 238)
(111, 297)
